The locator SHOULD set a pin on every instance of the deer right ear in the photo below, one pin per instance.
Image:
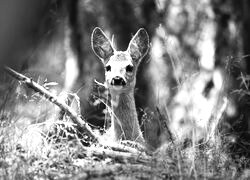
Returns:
(139, 45)
(101, 45)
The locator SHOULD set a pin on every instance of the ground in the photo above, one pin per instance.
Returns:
(36, 143)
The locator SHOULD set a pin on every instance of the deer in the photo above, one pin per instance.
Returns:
(120, 79)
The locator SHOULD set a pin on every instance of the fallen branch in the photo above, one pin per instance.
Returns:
(121, 157)
(54, 99)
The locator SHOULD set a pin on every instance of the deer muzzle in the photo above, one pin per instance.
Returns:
(118, 81)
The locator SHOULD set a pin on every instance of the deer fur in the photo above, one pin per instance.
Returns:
(120, 79)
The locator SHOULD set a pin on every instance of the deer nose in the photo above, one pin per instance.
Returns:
(118, 81)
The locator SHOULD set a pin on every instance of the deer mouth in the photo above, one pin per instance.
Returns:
(118, 82)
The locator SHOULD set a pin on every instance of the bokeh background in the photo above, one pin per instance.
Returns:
(198, 59)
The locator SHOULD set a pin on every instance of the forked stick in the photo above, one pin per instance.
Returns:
(54, 99)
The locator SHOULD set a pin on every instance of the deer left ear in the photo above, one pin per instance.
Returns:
(101, 45)
(139, 45)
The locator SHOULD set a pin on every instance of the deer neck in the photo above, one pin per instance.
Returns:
(124, 118)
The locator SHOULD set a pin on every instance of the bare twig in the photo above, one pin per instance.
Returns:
(165, 125)
(54, 99)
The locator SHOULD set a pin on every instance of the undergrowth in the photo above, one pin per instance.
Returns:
(36, 143)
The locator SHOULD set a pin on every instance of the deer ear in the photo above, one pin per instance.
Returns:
(101, 45)
(139, 45)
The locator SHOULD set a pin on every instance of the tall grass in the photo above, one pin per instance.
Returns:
(36, 143)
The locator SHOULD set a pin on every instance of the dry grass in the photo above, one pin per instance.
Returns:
(37, 144)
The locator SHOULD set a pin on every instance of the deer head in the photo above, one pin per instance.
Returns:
(120, 66)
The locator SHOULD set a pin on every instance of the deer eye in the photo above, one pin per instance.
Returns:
(108, 68)
(129, 68)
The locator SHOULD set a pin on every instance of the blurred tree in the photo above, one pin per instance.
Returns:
(32, 36)
(245, 32)
(19, 22)
(232, 52)
(227, 39)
